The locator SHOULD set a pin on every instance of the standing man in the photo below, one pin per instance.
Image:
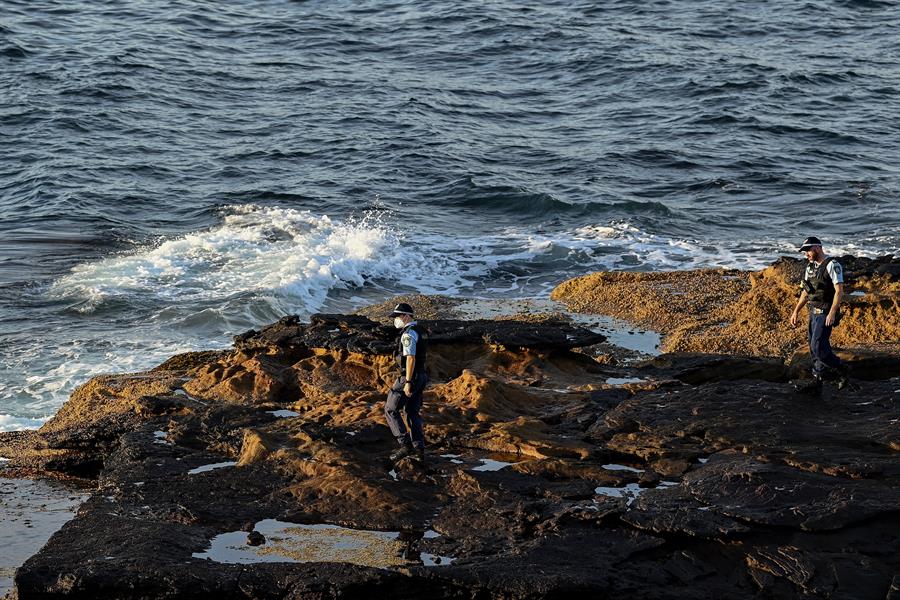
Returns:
(406, 393)
(823, 288)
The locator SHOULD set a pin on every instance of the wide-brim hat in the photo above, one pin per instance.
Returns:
(809, 243)
(402, 309)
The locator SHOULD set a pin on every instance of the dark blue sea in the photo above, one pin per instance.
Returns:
(174, 172)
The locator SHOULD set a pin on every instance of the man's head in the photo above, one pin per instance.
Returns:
(812, 247)
(403, 315)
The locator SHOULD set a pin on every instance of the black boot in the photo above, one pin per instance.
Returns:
(402, 452)
(809, 387)
(818, 384)
(843, 376)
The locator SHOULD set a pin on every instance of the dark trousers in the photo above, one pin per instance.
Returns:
(411, 405)
(820, 345)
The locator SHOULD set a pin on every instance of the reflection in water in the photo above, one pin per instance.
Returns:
(30, 512)
(297, 543)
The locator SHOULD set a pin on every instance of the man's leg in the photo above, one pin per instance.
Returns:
(813, 387)
(396, 401)
(816, 326)
(826, 355)
(413, 413)
(831, 364)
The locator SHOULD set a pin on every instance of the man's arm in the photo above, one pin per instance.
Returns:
(835, 304)
(410, 369)
(800, 304)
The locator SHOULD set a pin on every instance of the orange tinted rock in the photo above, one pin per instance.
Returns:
(255, 379)
(740, 312)
(256, 446)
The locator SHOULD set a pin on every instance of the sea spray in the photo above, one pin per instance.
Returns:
(294, 256)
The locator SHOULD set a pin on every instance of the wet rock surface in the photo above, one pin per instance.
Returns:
(700, 476)
(32, 510)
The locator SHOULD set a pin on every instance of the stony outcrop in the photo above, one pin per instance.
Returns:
(740, 312)
(699, 476)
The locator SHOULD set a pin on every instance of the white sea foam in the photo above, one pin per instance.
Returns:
(287, 259)
(622, 245)
(287, 254)
(625, 246)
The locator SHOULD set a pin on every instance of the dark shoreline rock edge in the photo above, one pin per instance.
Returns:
(750, 490)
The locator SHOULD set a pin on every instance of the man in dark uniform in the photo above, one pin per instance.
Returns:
(406, 393)
(823, 288)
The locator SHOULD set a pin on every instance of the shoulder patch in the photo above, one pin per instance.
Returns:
(406, 340)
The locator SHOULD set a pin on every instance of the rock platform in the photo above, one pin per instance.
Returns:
(549, 474)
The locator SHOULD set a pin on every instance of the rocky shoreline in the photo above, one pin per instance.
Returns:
(557, 467)
(741, 312)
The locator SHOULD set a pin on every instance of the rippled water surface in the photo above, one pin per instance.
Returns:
(172, 173)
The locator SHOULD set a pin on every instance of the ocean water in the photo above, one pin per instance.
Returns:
(175, 172)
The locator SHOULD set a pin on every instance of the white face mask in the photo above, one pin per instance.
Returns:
(398, 323)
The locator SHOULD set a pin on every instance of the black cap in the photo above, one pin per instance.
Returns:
(809, 243)
(402, 309)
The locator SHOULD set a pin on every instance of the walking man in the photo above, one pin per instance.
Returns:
(406, 393)
(823, 288)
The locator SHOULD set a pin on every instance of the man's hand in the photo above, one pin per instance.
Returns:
(407, 389)
(835, 304)
(800, 304)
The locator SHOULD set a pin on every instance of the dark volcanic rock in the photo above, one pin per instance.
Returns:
(255, 538)
(775, 494)
(863, 363)
(675, 511)
(894, 592)
(712, 480)
(702, 368)
(580, 561)
(813, 572)
(359, 334)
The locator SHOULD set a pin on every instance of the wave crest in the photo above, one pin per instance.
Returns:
(291, 254)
